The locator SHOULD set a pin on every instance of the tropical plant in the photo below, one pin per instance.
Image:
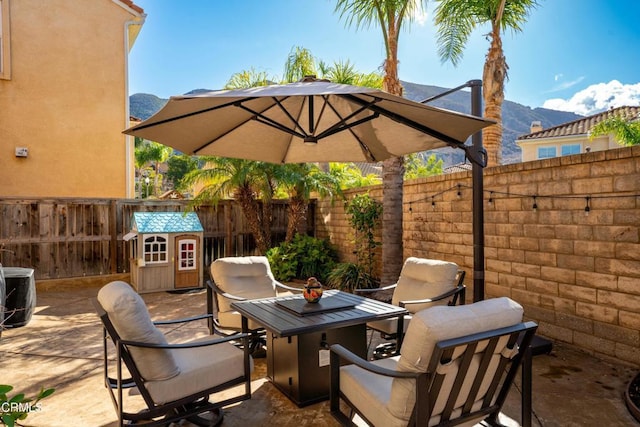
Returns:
(417, 167)
(364, 214)
(625, 131)
(348, 276)
(250, 183)
(178, 167)
(455, 21)
(18, 407)
(299, 180)
(149, 155)
(390, 16)
(350, 176)
(303, 257)
(246, 79)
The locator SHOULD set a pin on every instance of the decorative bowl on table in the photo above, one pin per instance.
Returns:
(312, 290)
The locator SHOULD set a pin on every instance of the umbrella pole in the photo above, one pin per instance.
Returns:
(478, 199)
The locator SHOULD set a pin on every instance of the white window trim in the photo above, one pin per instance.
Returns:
(193, 266)
(5, 41)
(164, 255)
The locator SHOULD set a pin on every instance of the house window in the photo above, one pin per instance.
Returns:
(546, 152)
(155, 249)
(187, 255)
(5, 56)
(570, 149)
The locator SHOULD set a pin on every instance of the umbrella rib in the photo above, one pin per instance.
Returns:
(405, 121)
(363, 146)
(259, 117)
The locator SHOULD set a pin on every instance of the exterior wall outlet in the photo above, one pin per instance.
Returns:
(22, 151)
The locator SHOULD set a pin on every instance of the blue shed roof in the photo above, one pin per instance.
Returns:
(166, 222)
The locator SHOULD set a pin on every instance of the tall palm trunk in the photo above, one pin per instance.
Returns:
(297, 212)
(392, 178)
(493, 78)
(252, 212)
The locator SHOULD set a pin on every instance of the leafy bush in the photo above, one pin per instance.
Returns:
(18, 407)
(348, 276)
(303, 257)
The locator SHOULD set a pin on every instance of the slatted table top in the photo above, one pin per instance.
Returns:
(284, 322)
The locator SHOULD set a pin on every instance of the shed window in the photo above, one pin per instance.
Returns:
(546, 152)
(155, 249)
(5, 55)
(187, 255)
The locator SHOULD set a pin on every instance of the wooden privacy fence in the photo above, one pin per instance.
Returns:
(62, 238)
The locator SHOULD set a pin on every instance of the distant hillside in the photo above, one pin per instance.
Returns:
(516, 117)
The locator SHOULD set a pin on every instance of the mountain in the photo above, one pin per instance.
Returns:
(516, 118)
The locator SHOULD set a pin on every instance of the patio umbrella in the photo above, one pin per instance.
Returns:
(308, 121)
(319, 121)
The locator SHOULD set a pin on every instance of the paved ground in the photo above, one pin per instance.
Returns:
(61, 348)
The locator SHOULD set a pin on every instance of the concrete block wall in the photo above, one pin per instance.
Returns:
(577, 275)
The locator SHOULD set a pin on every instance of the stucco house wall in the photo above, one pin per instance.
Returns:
(66, 98)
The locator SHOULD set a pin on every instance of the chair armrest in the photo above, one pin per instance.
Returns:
(447, 294)
(345, 354)
(185, 345)
(220, 292)
(366, 291)
(288, 288)
(183, 320)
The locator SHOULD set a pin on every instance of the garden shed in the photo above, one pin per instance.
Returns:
(166, 251)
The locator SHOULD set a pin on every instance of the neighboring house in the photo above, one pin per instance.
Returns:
(570, 138)
(64, 97)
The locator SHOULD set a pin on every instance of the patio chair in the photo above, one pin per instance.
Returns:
(422, 283)
(175, 380)
(456, 366)
(241, 279)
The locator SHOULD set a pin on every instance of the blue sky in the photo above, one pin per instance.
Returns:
(581, 56)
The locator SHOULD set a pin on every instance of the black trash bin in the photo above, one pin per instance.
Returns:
(20, 296)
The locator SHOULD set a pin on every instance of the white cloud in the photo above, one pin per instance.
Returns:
(597, 98)
(557, 77)
(563, 85)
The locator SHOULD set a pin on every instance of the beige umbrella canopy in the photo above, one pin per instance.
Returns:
(308, 121)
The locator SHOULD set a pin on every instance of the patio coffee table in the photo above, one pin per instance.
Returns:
(299, 335)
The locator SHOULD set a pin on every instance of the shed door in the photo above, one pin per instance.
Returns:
(187, 269)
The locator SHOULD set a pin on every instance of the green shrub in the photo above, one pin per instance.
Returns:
(303, 257)
(18, 407)
(348, 276)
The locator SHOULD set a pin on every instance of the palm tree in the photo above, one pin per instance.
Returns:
(455, 21)
(299, 181)
(625, 131)
(148, 152)
(250, 183)
(389, 15)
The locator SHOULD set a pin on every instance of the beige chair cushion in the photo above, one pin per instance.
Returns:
(370, 392)
(130, 317)
(422, 278)
(247, 277)
(440, 323)
(200, 368)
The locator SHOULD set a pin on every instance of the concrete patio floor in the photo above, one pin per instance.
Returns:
(61, 348)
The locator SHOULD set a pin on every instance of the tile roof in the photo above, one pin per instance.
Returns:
(460, 167)
(582, 126)
(166, 222)
(132, 5)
